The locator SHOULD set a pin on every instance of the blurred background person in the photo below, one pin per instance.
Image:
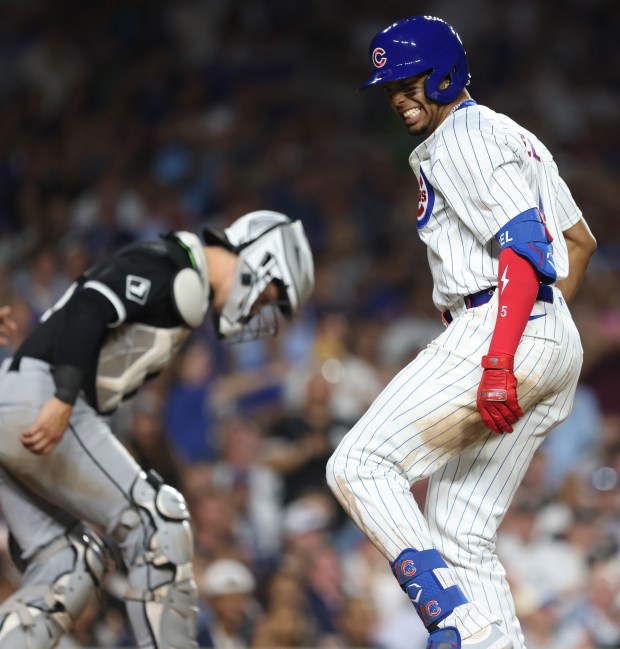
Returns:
(229, 609)
(256, 490)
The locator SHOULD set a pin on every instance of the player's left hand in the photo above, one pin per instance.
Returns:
(497, 394)
(49, 427)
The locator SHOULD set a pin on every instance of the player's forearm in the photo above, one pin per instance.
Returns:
(496, 399)
(581, 245)
(571, 284)
(518, 286)
(77, 346)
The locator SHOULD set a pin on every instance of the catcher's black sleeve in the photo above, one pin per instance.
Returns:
(76, 350)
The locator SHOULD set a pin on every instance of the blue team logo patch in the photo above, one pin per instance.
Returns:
(426, 201)
(408, 568)
(433, 609)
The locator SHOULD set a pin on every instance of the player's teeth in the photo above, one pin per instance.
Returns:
(412, 112)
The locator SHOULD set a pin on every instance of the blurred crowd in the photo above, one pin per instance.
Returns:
(123, 119)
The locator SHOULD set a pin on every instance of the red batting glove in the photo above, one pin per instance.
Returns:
(497, 393)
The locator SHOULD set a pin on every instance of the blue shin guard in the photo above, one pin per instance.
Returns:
(446, 638)
(433, 602)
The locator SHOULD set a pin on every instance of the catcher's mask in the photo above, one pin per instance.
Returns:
(271, 249)
(420, 44)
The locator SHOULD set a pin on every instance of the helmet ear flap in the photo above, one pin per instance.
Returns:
(456, 74)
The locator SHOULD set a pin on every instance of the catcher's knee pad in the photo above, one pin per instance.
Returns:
(415, 573)
(58, 583)
(157, 541)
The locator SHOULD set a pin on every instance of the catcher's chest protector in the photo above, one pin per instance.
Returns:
(129, 355)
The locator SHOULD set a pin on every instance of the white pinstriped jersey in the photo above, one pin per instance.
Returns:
(476, 172)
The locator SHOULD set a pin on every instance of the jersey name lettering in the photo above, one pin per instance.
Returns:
(504, 238)
(529, 147)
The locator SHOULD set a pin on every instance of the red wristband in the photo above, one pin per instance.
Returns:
(498, 362)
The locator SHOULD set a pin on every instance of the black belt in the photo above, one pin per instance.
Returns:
(545, 294)
(16, 362)
(14, 366)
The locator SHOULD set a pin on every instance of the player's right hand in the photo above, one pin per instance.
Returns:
(49, 427)
(497, 394)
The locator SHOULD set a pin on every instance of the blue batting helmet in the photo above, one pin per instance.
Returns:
(420, 44)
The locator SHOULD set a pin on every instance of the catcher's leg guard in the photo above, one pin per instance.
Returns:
(58, 582)
(415, 573)
(156, 540)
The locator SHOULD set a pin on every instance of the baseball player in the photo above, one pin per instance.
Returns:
(507, 249)
(60, 464)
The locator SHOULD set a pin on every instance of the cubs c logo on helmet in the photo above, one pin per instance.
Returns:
(378, 57)
(426, 200)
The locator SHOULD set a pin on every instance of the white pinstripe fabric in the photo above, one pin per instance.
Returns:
(425, 423)
(484, 169)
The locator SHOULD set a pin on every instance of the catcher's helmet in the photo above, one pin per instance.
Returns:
(270, 247)
(420, 44)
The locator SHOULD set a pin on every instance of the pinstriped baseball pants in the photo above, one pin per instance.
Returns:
(425, 423)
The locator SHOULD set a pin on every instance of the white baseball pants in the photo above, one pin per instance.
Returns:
(425, 423)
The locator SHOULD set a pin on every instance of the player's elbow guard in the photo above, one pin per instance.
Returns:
(527, 235)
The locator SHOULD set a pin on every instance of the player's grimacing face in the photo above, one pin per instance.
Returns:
(420, 115)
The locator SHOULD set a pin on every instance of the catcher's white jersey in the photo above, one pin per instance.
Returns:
(476, 172)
